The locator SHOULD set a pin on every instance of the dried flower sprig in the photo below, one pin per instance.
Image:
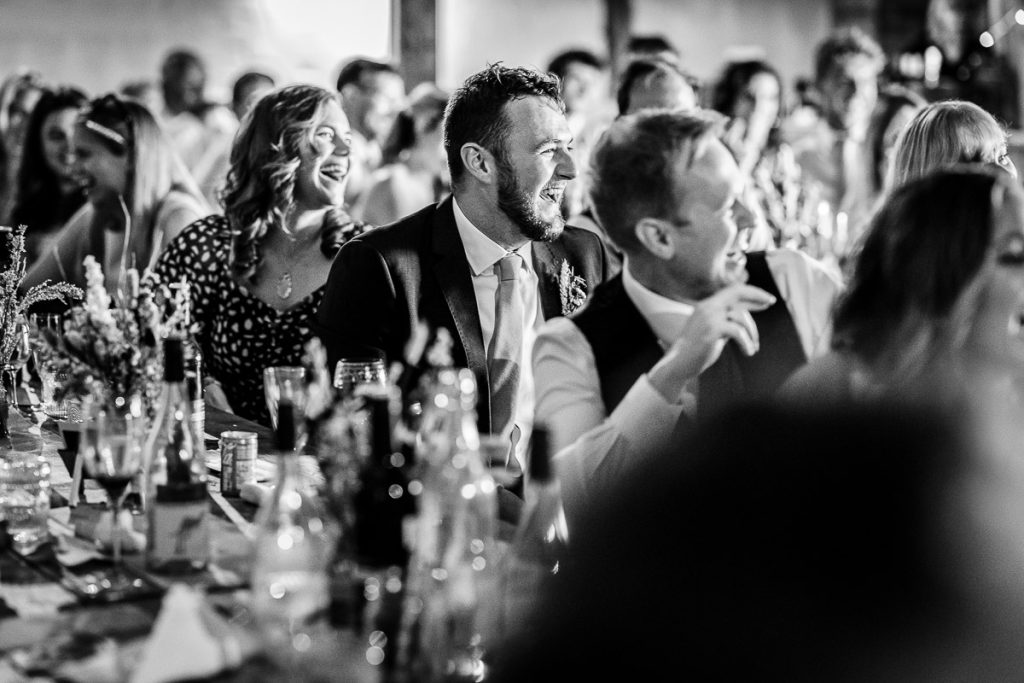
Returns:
(13, 305)
(108, 350)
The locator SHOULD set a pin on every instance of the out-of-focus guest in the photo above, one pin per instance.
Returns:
(199, 130)
(48, 193)
(139, 196)
(415, 170)
(850, 544)
(655, 84)
(896, 108)
(947, 133)
(372, 95)
(257, 273)
(18, 96)
(143, 91)
(834, 151)
(646, 84)
(935, 293)
(247, 90)
(584, 83)
(750, 94)
(685, 329)
(489, 264)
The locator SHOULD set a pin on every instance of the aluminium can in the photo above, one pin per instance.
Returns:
(237, 461)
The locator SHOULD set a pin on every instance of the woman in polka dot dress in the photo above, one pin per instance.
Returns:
(257, 273)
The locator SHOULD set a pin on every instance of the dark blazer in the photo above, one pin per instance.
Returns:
(388, 278)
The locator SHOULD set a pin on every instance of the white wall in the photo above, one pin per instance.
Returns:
(99, 44)
(530, 32)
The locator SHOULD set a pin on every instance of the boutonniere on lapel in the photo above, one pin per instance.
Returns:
(572, 289)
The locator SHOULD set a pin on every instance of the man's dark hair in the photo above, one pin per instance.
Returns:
(842, 44)
(633, 168)
(559, 65)
(476, 111)
(246, 81)
(641, 69)
(178, 61)
(354, 69)
(653, 44)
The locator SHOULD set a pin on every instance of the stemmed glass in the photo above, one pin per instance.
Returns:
(12, 367)
(111, 449)
(352, 373)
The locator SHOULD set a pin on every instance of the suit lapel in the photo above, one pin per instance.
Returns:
(452, 272)
(547, 258)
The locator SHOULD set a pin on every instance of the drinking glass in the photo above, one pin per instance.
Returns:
(352, 373)
(284, 381)
(12, 368)
(111, 450)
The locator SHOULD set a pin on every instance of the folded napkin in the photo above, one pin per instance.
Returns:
(190, 640)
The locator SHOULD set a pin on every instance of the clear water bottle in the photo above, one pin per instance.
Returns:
(25, 499)
(291, 553)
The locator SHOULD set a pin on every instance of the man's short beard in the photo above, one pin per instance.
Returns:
(517, 204)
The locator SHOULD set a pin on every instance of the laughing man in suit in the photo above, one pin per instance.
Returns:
(509, 153)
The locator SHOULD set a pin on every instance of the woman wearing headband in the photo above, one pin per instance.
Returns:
(139, 196)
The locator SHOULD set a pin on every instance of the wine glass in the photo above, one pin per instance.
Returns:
(20, 354)
(352, 373)
(284, 381)
(111, 450)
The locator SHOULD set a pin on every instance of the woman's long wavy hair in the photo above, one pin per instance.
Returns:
(915, 287)
(265, 157)
(154, 168)
(40, 199)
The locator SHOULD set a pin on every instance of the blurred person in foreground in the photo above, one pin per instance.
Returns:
(48, 193)
(490, 264)
(689, 326)
(257, 273)
(935, 297)
(845, 543)
(139, 196)
(372, 95)
(947, 133)
(415, 172)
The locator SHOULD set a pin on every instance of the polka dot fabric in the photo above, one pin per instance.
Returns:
(238, 333)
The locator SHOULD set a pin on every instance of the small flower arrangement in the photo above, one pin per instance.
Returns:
(572, 289)
(13, 305)
(109, 351)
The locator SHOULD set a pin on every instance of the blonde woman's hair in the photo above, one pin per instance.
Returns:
(944, 134)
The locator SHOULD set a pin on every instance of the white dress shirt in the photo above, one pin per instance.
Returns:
(483, 255)
(593, 448)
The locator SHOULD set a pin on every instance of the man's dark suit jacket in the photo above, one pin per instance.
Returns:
(388, 278)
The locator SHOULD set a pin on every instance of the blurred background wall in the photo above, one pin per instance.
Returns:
(100, 44)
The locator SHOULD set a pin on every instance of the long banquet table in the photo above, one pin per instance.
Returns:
(41, 620)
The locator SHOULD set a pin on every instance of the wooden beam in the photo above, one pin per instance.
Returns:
(416, 32)
(618, 28)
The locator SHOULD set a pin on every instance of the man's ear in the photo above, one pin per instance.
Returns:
(656, 237)
(479, 163)
(348, 91)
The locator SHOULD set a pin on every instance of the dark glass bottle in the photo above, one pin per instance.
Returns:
(177, 533)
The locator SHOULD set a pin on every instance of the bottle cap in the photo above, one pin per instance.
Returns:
(540, 455)
(174, 360)
(284, 437)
